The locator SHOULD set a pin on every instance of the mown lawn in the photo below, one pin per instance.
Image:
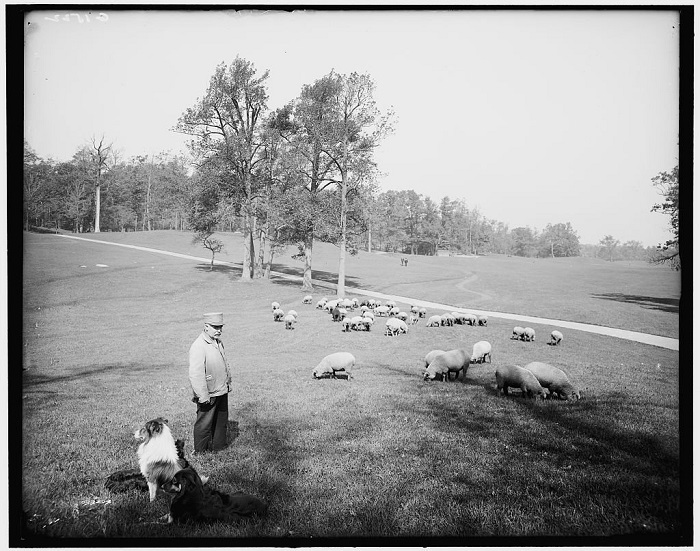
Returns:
(385, 454)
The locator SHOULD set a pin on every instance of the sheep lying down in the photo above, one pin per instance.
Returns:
(555, 380)
(514, 376)
(452, 361)
(331, 365)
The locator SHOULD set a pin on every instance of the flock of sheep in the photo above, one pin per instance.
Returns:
(535, 380)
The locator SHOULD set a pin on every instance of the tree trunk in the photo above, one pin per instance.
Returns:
(97, 206)
(552, 245)
(307, 284)
(369, 237)
(343, 220)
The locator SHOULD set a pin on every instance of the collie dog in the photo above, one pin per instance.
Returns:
(158, 454)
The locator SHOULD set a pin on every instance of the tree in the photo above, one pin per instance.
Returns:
(225, 127)
(99, 154)
(609, 244)
(559, 240)
(524, 242)
(669, 187)
(36, 176)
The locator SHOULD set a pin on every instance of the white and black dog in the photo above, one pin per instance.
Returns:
(158, 455)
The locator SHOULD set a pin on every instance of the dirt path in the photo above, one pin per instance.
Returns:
(654, 340)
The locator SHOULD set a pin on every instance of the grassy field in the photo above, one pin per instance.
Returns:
(386, 454)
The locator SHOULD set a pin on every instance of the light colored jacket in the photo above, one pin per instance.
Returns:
(210, 373)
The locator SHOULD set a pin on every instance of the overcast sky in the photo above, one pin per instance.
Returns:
(535, 117)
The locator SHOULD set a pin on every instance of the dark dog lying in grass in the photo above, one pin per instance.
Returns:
(194, 502)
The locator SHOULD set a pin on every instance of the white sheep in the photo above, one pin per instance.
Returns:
(555, 338)
(430, 356)
(518, 377)
(329, 366)
(480, 352)
(308, 299)
(346, 324)
(356, 322)
(447, 320)
(275, 306)
(434, 321)
(517, 333)
(321, 304)
(330, 304)
(390, 303)
(364, 308)
(355, 303)
(452, 361)
(368, 314)
(414, 318)
(471, 319)
(483, 320)
(278, 314)
(347, 304)
(367, 322)
(554, 379)
(289, 321)
(422, 313)
(393, 311)
(459, 318)
(414, 309)
(529, 334)
(392, 327)
(381, 311)
(293, 313)
(403, 316)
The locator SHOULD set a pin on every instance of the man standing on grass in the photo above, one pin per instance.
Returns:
(210, 378)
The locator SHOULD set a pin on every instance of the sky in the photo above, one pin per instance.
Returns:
(533, 117)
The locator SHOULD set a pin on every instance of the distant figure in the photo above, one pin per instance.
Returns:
(405, 262)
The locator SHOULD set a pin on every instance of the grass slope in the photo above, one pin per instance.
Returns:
(627, 295)
(385, 454)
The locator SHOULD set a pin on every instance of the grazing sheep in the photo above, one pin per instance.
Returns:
(528, 334)
(393, 311)
(346, 324)
(293, 313)
(414, 318)
(356, 323)
(423, 312)
(403, 316)
(289, 321)
(321, 304)
(515, 376)
(459, 318)
(555, 338)
(450, 319)
(517, 333)
(381, 311)
(355, 303)
(483, 320)
(333, 363)
(364, 302)
(367, 322)
(430, 356)
(275, 306)
(414, 309)
(364, 308)
(480, 352)
(308, 299)
(390, 303)
(452, 361)
(368, 314)
(347, 304)
(554, 379)
(330, 304)
(337, 314)
(403, 328)
(393, 327)
(471, 319)
(278, 314)
(373, 303)
(434, 321)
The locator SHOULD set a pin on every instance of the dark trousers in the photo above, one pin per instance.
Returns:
(210, 426)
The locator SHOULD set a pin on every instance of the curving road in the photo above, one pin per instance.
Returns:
(654, 340)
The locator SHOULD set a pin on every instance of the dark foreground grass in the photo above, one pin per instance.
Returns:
(385, 454)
